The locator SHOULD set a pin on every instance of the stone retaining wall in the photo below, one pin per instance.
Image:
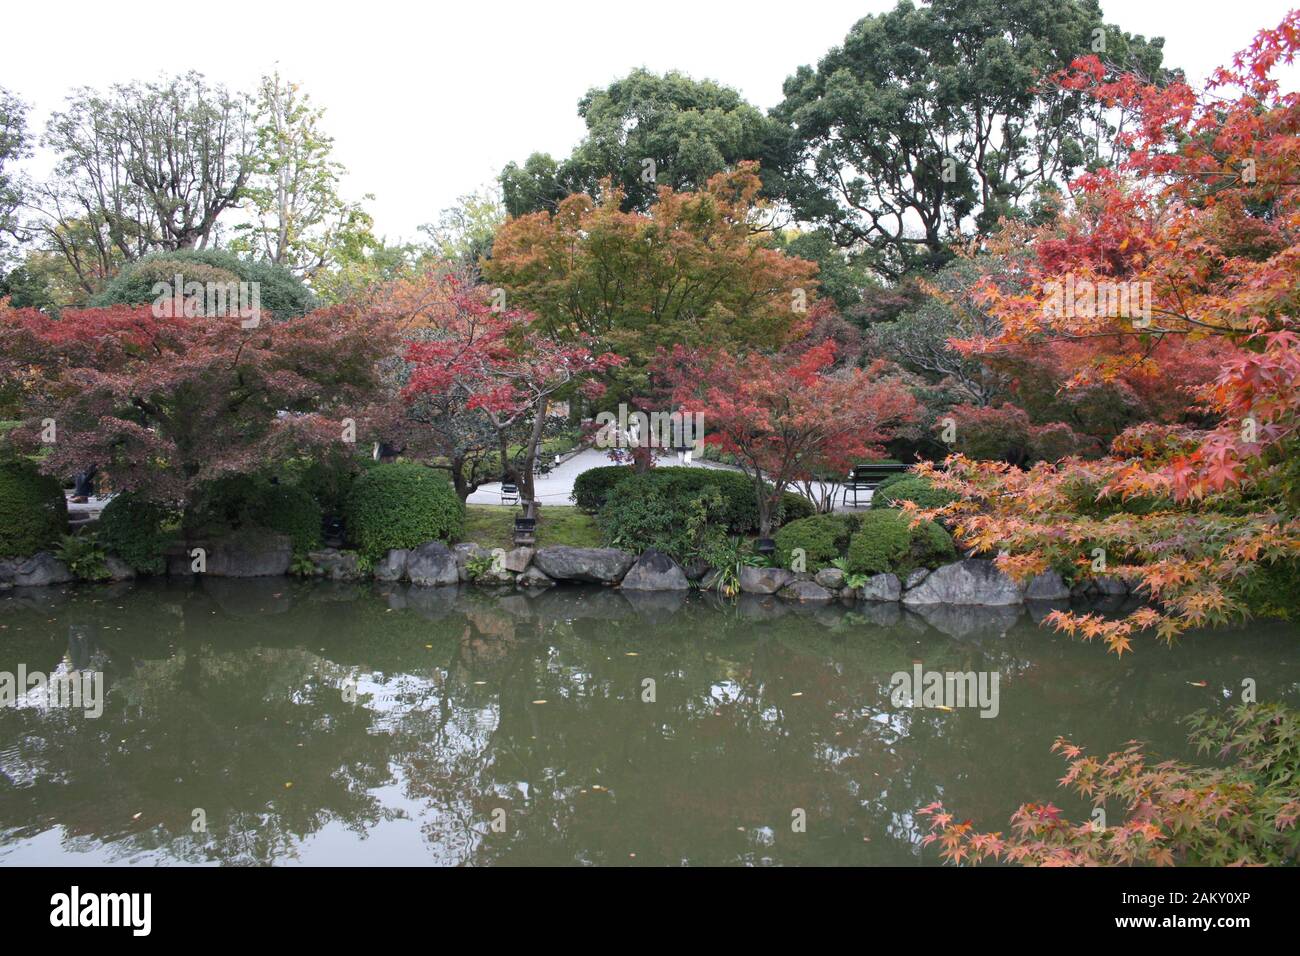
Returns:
(973, 582)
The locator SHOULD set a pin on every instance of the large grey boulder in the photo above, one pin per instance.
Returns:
(764, 580)
(830, 578)
(264, 556)
(805, 592)
(238, 556)
(655, 571)
(915, 577)
(517, 559)
(1048, 586)
(392, 567)
(973, 581)
(432, 565)
(593, 565)
(534, 577)
(118, 570)
(1100, 587)
(42, 569)
(881, 587)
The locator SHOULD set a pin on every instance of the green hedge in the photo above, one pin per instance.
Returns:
(401, 505)
(591, 488)
(648, 512)
(253, 501)
(133, 529)
(885, 542)
(910, 488)
(822, 537)
(33, 510)
(591, 491)
(893, 480)
(328, 481)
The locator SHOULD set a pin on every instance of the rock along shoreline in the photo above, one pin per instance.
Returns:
(971, 582)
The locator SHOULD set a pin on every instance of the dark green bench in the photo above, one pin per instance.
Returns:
(868, 476)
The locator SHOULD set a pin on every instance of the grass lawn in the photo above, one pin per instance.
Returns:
(493, 526)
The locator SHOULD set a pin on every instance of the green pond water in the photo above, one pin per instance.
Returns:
(309, 723)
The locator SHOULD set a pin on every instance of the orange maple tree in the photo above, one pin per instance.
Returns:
(1193, 237)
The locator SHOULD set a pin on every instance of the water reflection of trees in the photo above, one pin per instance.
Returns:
(230, 698)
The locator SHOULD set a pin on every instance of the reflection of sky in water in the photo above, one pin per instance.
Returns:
(235, 701)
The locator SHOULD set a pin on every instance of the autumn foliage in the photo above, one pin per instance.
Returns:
(163, 405)
(1201, 223)
(693, 270)
(1172, 812)
(498, 367)
(791, 416)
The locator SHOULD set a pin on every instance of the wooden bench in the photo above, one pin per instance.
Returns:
(867, 477)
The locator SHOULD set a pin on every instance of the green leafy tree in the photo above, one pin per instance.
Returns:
(142, 167)
(464, 232)
(919, 339)
(644, 131)
(300, 220)
(14, 145)
(931, 122)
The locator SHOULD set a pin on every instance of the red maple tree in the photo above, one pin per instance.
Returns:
(790, 416)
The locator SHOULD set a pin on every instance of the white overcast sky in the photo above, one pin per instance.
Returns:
(427, 101)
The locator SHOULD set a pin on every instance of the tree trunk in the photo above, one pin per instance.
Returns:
(526, 489)
(458, 478)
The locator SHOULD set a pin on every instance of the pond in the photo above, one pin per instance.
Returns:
(279, 721)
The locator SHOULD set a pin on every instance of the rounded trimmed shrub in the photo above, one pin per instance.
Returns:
(281, 293)
(33, 510)
(885, 542)
(648, 512)
(911, 488)
(401, 505)
(822, 537)
(795, 507)
(893, 480)
(592, 487)
(591, 491)
(132, 528)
